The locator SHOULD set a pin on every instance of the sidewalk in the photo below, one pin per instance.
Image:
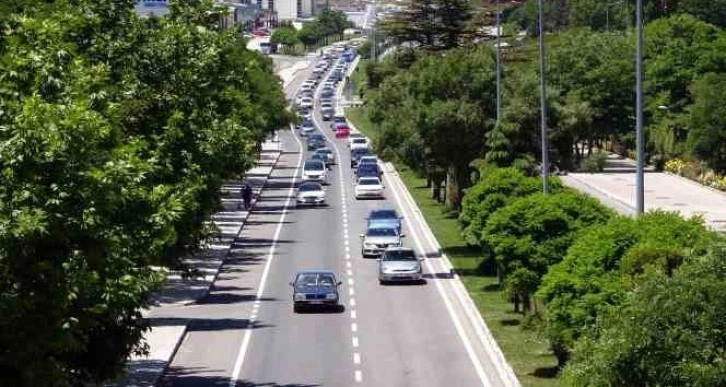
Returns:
(144, 371)
(616, 188)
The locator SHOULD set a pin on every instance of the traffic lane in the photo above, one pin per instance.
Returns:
(216, 324)
(406, 336)
(313, 347)
(487, 358)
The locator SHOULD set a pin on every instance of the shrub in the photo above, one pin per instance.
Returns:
(589, 279)
(595, 162)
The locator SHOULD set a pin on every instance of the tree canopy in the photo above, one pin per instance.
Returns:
(117, 134)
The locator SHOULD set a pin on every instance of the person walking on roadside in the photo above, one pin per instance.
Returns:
(246, 195)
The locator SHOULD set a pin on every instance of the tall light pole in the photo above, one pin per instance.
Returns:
(499, 64)
(639, 135)
(543, 103)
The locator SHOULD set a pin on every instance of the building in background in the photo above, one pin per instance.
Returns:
(152, 7)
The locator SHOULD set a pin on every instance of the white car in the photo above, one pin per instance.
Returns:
(310, 194)
(306, 102)
(359, 143)
(314, 170)
(369, 187)
(352, 136)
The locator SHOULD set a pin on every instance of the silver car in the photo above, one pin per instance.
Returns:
(378, 238)
(399, 264)
(315, 288)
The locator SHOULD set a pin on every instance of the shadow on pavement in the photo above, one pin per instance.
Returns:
(193, 377)
(446, 275)
(247, 383)
(230, 298)
(320, 309)
(406, 283)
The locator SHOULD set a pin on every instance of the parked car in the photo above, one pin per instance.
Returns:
(399, 264)
(369, 187)
(385, 217)
(310, 193)
(314, 170)
(377, 239)
(315, 288)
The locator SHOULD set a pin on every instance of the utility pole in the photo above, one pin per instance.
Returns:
(543, 104)
(499, 64)
(640, 140)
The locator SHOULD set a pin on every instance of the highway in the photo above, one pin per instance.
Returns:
(246, 334)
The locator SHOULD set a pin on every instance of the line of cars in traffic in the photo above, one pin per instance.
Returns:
(383, 233)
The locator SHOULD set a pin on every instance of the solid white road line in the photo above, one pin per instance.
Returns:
(454, 317)
(266, 271)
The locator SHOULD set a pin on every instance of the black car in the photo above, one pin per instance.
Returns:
(315, 288)
(356, 154)
(368, 170)
(327, 93)
(315, 141)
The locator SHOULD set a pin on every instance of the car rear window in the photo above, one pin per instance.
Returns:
(399, 255)
(314, 165)
(368, 181)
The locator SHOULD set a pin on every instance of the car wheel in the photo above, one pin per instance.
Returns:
(296, 308)
(381, 282)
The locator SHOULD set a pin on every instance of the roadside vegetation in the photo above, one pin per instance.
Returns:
(574, 274)
(328, 27)
(117, 133)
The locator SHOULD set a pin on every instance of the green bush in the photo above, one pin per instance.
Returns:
(534, 233)
(496, 188)
(595, 162)
(668, 332)
(590, 277)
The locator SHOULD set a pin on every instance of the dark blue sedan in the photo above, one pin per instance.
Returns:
(315, 288)
(385, 217)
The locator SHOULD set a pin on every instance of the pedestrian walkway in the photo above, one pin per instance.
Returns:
(163, 339)
(615, 187)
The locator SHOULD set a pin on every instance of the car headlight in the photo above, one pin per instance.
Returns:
(331, 296)
(299, 297)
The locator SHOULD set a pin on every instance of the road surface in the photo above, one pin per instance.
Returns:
(246, 334)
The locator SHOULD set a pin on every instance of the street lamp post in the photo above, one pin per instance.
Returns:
(499, 64)
(640, 139)
(543, 103)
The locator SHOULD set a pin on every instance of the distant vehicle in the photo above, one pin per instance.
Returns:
(353, 136)
(377, 239)
(315, 288)
(399, 264)
(385, 217)
(356, 154)
(306, 103)
(265, 48)
(310, 193)
(338, 119)
(368, 187)
(327, 93)
(368, 170)
(342, 131)
(314, 170)
(359, 143)
(315, 141)
(328, 154)
(307, 127)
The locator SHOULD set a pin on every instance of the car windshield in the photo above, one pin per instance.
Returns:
(367, 167)
(383, 214)
(368, 160)
(324, 151)
(399, 255)
(376, 232)
(316, 137)
(368, 182)
(339, 119)
(308, 187)
(314, 165)
(359, 141)
(314, 280)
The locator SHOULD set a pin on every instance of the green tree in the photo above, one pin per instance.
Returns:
(432, 24)
(707, 121)
(286, 36)
(530, 234)
(668, 332)
(590, 278)
(710, 11)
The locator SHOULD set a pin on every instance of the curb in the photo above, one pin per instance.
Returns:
(601, 191)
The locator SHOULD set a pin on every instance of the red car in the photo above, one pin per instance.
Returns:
(342, 131)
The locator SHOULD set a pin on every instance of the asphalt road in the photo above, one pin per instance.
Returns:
(246, 334)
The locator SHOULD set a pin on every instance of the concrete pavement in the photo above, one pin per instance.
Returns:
(663, 191)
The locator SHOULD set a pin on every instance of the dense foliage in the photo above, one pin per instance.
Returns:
(116, 136)
(605, 263)
(327, 24)
(669, 332)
